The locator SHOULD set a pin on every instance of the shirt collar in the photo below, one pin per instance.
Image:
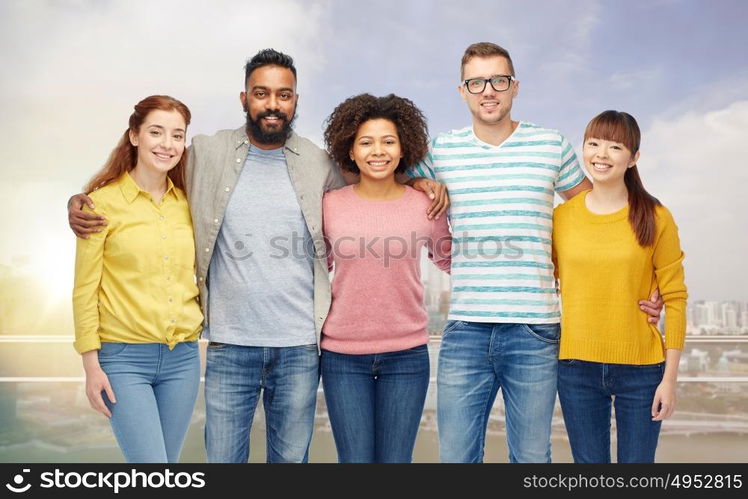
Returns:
(240, 139)
(131, 190)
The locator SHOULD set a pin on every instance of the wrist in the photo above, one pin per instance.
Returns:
(91, 360)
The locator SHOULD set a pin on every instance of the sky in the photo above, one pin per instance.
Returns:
(72, 70)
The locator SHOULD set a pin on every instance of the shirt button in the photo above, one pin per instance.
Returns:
(227, 189)
(163, 236)
(200, 278)
(171, 299)
(173, 321)
(215, 220)
(207, 250)
(166, 257)
(238, 160)
(168, 278)
(161, 218)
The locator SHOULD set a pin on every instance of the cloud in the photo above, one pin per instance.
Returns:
(695, 163)
(73, 70)
(631, 80)
(78, 67)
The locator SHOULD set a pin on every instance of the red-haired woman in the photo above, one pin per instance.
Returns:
(137, 319)
(613, 244)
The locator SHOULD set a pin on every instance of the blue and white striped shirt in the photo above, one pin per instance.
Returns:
(501, 215)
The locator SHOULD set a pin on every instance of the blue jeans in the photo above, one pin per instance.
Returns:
(156, 389)
(234, 377)
(475, 360)
(588, 389)
(375, 403)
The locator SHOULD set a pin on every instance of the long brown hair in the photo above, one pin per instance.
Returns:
(621, 127)
(124, 157)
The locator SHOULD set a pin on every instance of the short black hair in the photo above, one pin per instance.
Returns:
(268, 57)
(343, 124)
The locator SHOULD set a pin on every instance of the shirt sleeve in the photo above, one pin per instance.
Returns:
(189, 172)
(425, 167)
(89, 264)
(668, 264)
(335, 178)
(569, 174)
(327, 212)
(440, 244)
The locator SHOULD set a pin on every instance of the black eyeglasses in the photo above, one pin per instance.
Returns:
(500, 83)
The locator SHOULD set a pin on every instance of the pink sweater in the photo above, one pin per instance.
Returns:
(377, 295)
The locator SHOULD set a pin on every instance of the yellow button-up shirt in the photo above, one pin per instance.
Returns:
(135, 280)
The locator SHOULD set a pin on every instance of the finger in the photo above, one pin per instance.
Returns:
(655, 407)
(653, 320)
(102, 407)
(649, 310)
(97, 404)
(81, 231)
(655, 295)
(110, 393)
(436, 208)
(444, 198)
(87, 222)
(88, 216)
(431, 193)
(662, 413)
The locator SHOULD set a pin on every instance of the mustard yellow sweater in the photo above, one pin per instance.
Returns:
(603, 273)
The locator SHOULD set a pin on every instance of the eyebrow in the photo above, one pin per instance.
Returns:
(262, 87)
(162, 128)
(388, 136)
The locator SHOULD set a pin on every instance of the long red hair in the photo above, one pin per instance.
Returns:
(124, 157)
(621, 127)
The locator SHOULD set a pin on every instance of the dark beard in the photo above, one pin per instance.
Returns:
(269, 138)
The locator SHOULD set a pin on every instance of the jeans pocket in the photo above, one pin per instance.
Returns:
(109, 350)
(548, 333)
(450, 326)
(567, 362)
(214, 345)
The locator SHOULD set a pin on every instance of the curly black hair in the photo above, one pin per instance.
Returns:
(344, 121)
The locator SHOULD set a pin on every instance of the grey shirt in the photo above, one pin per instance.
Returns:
(215, 164)
(261, 275)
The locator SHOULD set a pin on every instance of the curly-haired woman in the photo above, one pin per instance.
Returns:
(375, 363)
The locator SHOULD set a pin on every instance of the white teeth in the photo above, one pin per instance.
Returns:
(377, 163)
(601, 166)
(162, 156)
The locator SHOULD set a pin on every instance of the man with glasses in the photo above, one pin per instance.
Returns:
(503, 326)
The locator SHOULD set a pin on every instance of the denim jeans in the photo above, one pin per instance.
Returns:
(375, 403)
(156, 389)
(588, 389)
(235, 375)
(475, 360)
